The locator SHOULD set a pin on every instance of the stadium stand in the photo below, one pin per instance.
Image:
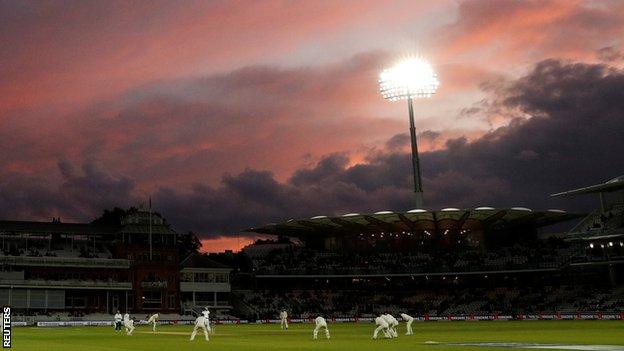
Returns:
(89, 270)
(441, 263)
(432, 264)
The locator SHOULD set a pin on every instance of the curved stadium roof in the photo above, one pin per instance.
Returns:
(615, 184)
(484, 217)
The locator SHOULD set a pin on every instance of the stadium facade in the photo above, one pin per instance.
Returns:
(87, 268)
(451, 263)
(448, 264)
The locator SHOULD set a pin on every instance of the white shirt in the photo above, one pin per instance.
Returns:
(390, 320)
(395, 322)
(283, 315)
(206, 314)
(118, 317)
(381, 322)
(407, 317)
(320, 321)
(153, 317)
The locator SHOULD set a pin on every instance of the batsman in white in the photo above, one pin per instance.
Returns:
(392, 324)
(202, 322)
(408, 320)
(382, 325)
(152, 320)
(283, 319)
(128, 323)
(320, 323)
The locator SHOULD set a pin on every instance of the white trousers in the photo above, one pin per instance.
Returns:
(409, 328)
(284, 323)
(152, 321)
(392, 331)
(383, 328)
(316, 330)
(129, 324)
(200, 323)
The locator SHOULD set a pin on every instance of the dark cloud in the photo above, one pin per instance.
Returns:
(92, 188)
(610, 54)
(429, 135)
(402, 141)
(81, 194)
(324, 171)
(573, 138)
(398, 141)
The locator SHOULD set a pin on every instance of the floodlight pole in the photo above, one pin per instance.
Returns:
(415, 160)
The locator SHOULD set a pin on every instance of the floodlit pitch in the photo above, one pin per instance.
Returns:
(428, 336)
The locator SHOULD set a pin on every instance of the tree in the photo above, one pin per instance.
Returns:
(113, 216)
(188, 244)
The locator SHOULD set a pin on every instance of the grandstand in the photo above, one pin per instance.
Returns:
(451, 262)
(416, 242)
(606, 222)
(71, 271)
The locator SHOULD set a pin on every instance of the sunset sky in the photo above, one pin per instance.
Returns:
(232, 114)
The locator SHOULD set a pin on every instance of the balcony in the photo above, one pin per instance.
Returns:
(64, 262)
(67, 284)
(204, 287)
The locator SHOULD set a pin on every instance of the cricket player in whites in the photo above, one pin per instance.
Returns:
(202, 322)
(382, 325)
(152, 320)
(128, 323)
(320, 323)
(283, 320)
(392, 324)
(408, 320)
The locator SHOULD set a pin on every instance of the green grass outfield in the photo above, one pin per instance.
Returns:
(350, 337)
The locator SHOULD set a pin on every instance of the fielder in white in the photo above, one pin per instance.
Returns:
(283, 319)
(320, 323)
(382, 325)
(128, 323)
(408, 320)
(152, 320)
(202, 322)
(392, 324)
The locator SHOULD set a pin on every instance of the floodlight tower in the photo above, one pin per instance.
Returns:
(410, 79)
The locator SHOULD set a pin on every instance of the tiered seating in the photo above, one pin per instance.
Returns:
(300, 260)
(500, 300)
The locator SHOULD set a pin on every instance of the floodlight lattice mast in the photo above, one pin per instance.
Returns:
(413, 78)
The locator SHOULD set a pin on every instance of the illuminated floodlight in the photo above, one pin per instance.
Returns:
(409, 79)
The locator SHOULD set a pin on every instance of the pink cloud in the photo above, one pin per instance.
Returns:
(172, 95)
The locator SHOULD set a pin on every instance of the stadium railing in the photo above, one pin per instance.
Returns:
(27, 283)
(64, 262)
